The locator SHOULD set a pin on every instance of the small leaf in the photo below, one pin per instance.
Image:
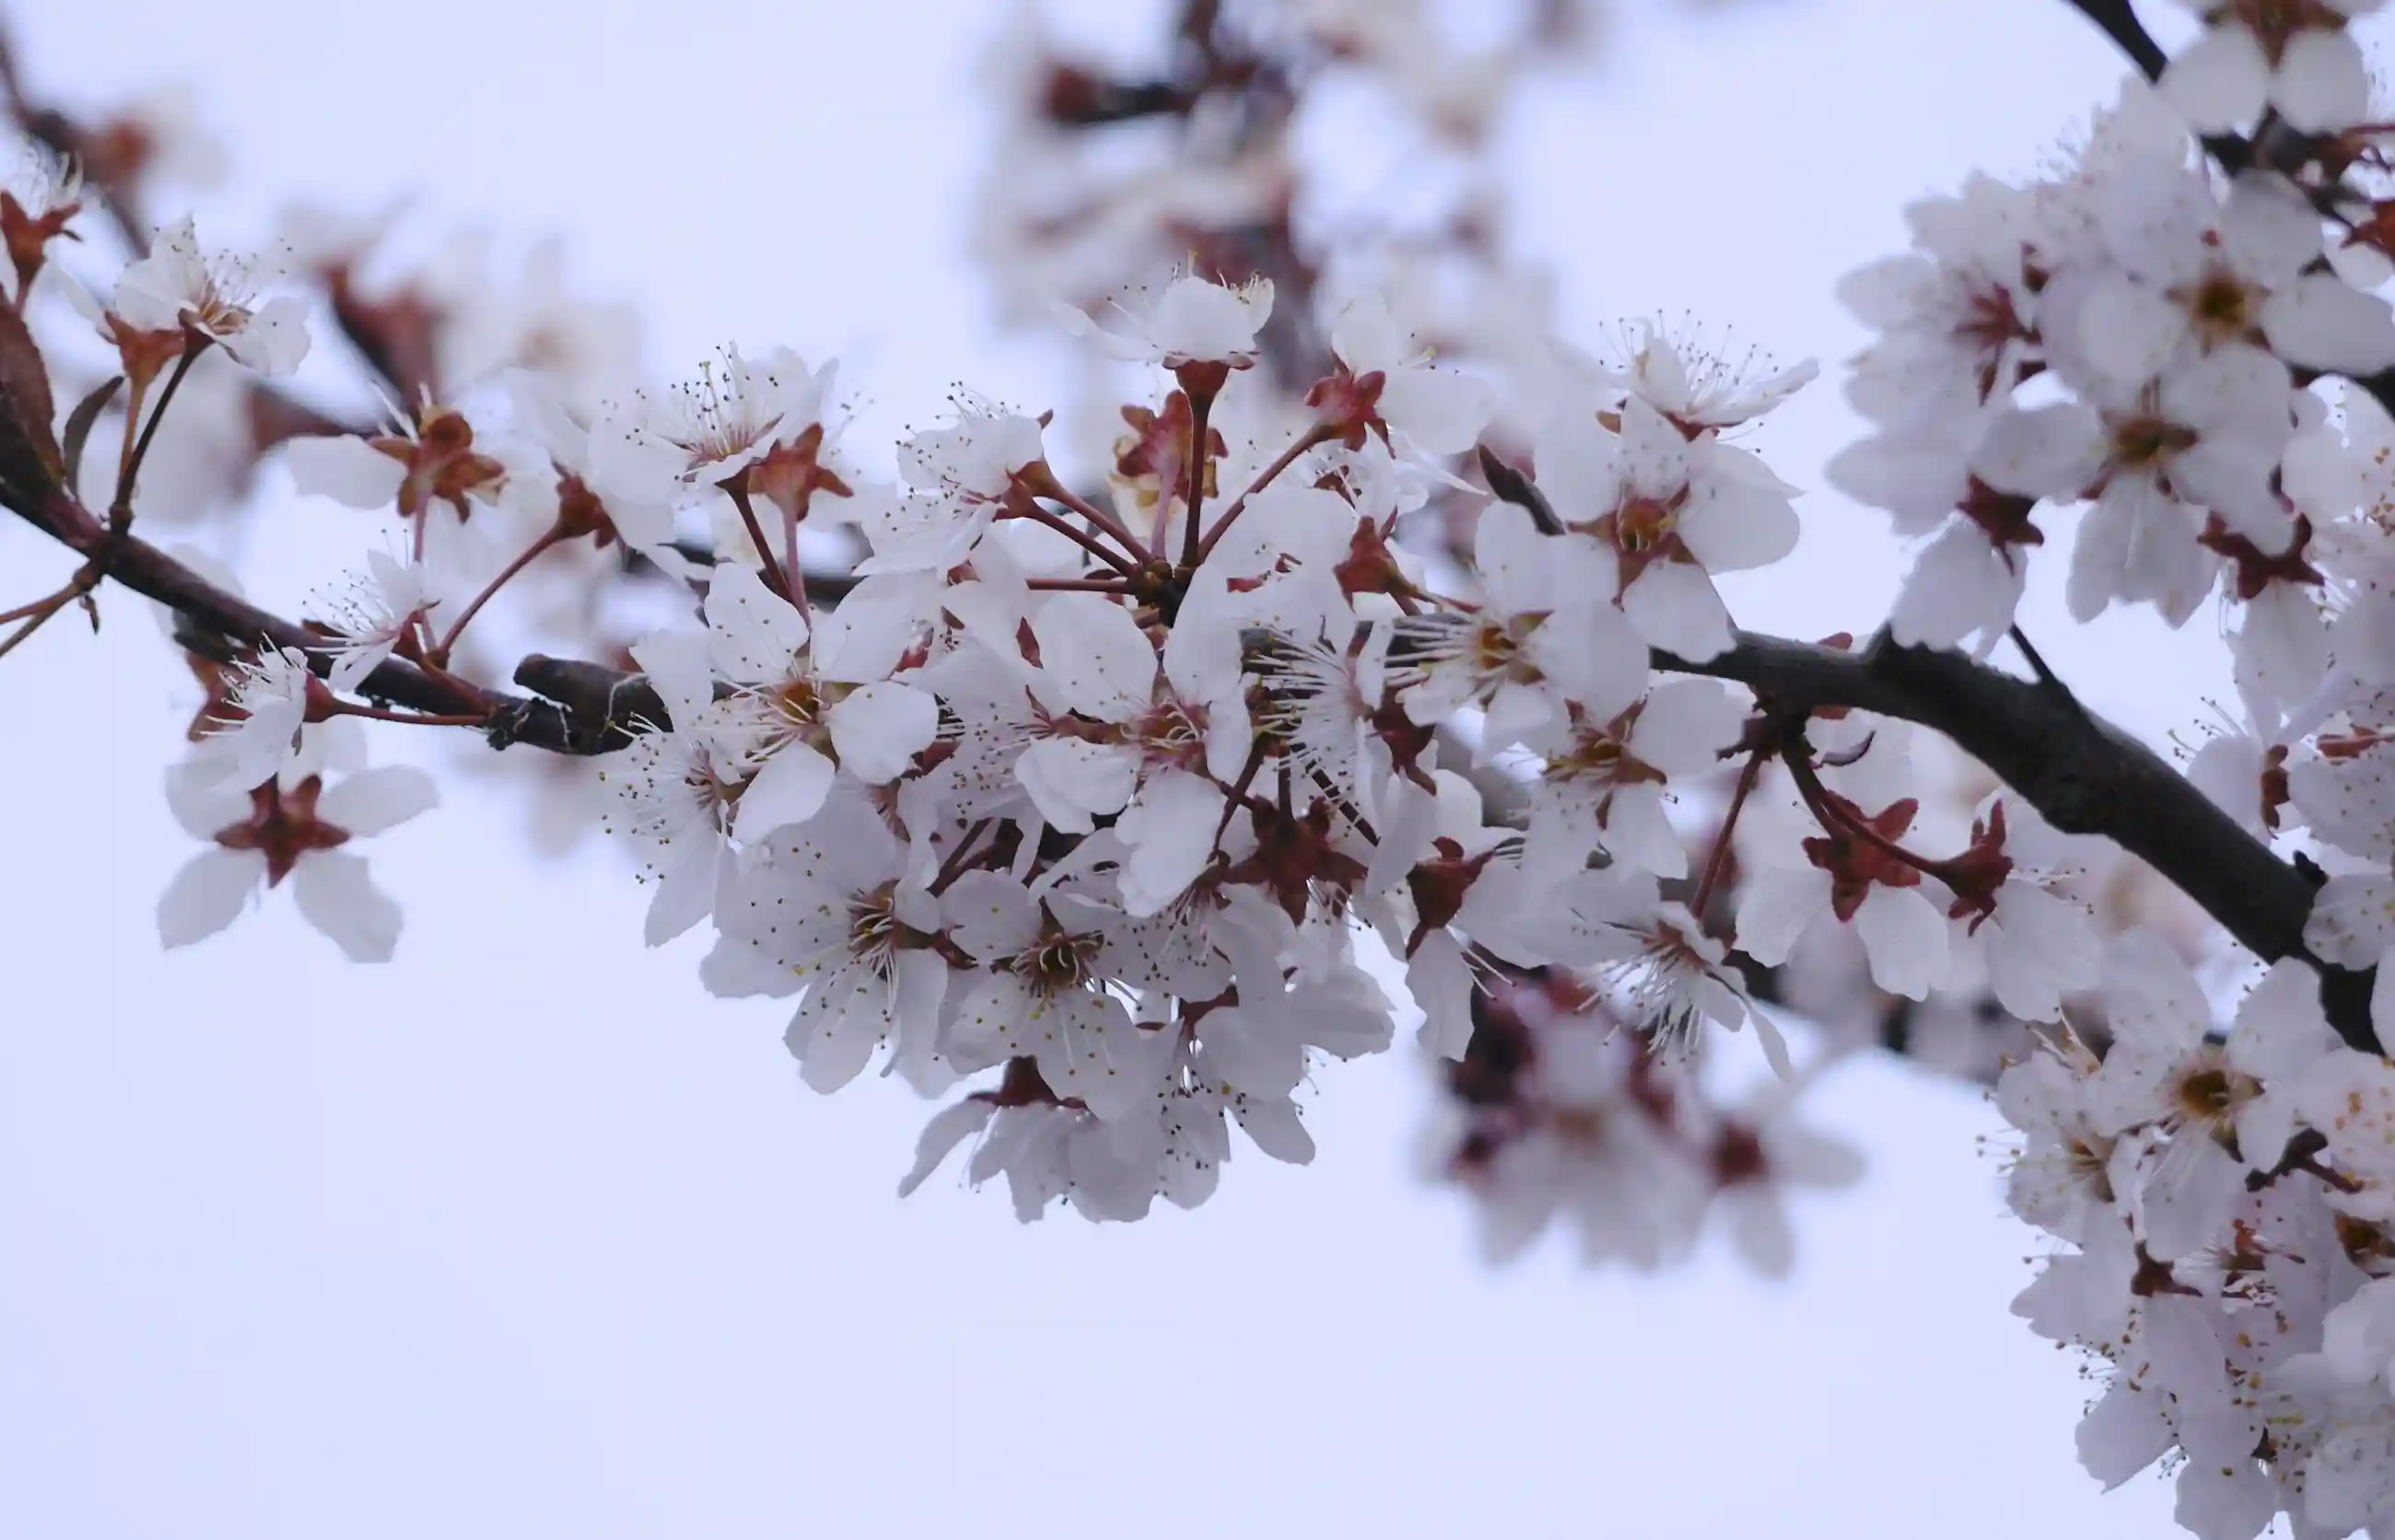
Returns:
(79, 426)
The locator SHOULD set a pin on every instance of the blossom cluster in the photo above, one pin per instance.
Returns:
(1113, 798)
(1116, 782)
(2141, 337)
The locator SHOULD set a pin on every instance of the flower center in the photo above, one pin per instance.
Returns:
(2221, 306)
(2210, 1095)
(1060, 962)
(2141, 443)
(1643, 525)
(1497, 650)
(873, 922)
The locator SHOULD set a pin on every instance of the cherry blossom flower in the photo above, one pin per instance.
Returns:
(1604, 785)
(823, 907)
(273, 831)
(1562, 1125)
(1194, 321)
(178, 284)
(2226, 1109)
(2198, 272)
(2296, 58)
(1662, 512)
(1955, 316)
(431, 457)
(374, 617)
(2031, 941)
(2061, 1180)
(1669, 977)
(258, 739)
(1045, 996)
(38, 201)
(1391, 383)
(757, 423)
(2207, 435)
(1543, 636)
(1759, 1159)
(1855, 882)
(1699, 385)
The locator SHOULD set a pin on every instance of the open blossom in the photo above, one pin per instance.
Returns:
(2297, 58)
(260, 837)
(2164, 1074)
(1046, 997)
(824, 908)
(1662, 512)
(1543, 636)
(1700, 386)
(180, 283)
(1954, 316)
(378, 612)
(2207, 436)
(1668, 978)
(259, 736)
(1603, 784)
(759, 425)
(1194, 321)
(1439, 411)
(1850, 879)
(2198, 272)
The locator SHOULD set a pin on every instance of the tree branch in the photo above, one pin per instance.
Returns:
(2118, 20)
(2082, 773)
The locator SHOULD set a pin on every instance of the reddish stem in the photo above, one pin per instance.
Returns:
(1718, 862)
(1316, 435)
(734, 488)
(1081, 537)
(439, 655)
(954, 866)
(1193, 498)
(1830, 810)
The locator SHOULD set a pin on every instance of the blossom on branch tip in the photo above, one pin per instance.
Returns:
(182, 286)
(1194, 321)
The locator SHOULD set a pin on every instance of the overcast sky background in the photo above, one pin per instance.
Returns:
(525, 1235)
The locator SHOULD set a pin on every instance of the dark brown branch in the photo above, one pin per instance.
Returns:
(2119, 22)
(2085, 775)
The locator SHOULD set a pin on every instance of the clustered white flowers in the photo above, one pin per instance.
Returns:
(1112, 798)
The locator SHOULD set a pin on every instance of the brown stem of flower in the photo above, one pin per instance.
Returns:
(796, 580)
(1831, 811)
(1079, 536)
(736, 489)
(1193, 477)
(137, 451)
(954, 866)
(1118, 587)
(412, 718)
(37, 615)
(437, 656)
(1311, 438)
(1718, 862)
(1056, 491)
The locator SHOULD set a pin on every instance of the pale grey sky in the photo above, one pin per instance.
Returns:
(525, 1235)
